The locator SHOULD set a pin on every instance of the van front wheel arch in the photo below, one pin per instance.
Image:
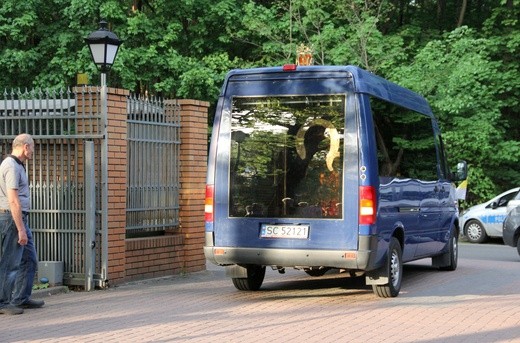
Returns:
(395, 271)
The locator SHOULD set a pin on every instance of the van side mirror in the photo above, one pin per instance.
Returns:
(461, 172)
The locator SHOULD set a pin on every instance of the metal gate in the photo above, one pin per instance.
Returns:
(68, 142)
(68, 173)
(153, 135)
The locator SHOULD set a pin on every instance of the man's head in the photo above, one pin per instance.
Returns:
(23, 147)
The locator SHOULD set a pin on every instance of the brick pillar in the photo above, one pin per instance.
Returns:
(193, 165)
(89, 101)
(117, 161)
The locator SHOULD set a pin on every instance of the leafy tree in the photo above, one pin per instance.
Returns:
(465, 86)
(462, 55)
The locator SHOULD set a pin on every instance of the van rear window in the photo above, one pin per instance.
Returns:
(287, 156)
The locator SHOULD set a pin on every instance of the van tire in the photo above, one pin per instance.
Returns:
(475, 232)
(518, 246)
(395, 272)
(253, 281)
(448, 261)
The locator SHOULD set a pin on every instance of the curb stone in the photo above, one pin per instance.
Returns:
(42, 293)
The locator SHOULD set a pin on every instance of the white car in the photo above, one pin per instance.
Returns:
(485, 220)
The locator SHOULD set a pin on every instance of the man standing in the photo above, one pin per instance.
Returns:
(18, 261)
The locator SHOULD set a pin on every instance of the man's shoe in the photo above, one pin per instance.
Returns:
(10, 309)
(31, 303)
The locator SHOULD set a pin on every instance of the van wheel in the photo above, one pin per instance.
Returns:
(395, 272)
(448, 261)
(475, 231)
(253, 281)
(518, 246)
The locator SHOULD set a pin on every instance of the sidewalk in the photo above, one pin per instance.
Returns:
(476, 304)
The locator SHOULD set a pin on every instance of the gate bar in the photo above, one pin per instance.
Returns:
(90, 216)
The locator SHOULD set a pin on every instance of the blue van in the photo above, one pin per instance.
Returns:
(327, 167)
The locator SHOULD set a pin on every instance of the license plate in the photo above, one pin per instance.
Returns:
(284, 231)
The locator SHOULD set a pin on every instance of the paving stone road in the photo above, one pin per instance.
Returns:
(479, 302)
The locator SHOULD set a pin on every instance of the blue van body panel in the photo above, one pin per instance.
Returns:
(365, 82)
(414, 211)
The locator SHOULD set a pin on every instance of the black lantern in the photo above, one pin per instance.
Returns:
(103, 45)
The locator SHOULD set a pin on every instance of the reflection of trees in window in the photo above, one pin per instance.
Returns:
(253, 153)
(282, 151)
(405, 141)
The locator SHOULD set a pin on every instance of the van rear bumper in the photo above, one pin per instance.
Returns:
(363, 259)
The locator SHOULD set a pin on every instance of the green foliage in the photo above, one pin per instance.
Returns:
(465, 87)
(38, 286)
(470, 74)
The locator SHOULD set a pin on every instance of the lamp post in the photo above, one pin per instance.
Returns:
(103, 45)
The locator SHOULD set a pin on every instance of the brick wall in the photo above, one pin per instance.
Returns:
(154, 257)
(194, 139)
(180, 251)
(117, 157)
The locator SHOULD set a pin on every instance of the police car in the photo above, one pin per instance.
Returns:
(485, 220)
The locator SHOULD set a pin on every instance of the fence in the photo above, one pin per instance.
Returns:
(153, 134)
(60, 126)
(129, 154)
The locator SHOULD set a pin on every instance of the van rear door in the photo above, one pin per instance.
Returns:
(287, 171)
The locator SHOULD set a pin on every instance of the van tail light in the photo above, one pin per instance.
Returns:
(289, 67)
(208, 203)
(367, 205)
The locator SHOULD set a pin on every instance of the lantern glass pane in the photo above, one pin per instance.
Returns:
(98, 53)
(111, 53)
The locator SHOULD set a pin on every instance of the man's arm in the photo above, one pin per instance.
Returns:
(16, 211)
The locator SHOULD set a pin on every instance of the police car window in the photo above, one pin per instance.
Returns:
(505, 199)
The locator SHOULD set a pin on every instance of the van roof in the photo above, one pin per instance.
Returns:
(364, 82)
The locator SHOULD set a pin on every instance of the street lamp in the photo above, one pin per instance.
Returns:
(103, 45)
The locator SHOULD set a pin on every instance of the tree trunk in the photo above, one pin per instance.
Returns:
(462, 13)
(441, 13)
